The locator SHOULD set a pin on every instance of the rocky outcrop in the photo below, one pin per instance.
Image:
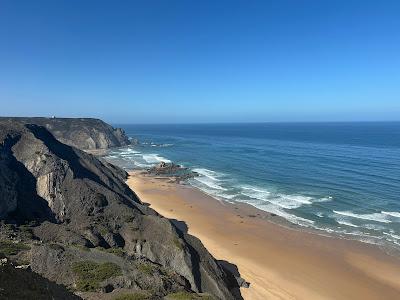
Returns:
(82, 133)
(17, 283)
(73, 210)
(172, 170)
(8, 182)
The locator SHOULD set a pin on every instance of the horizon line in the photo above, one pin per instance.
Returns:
(257, 122)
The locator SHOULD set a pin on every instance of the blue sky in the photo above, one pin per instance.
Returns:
(201, 61)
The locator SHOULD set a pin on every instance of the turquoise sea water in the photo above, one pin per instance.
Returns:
(340, 178)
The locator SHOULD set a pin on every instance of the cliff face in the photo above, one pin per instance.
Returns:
(82, 133)
(79, 211)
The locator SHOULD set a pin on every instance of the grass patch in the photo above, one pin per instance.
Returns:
(23, 261)
(178, 244)
(81, 247)
(90, 274)
(8, 248)
(114, 250)
(103, 230)
(188, 296)
(26, 230)
(134, 296)
(57, 247)
(146, 268)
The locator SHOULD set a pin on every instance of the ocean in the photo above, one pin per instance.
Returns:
(338, 178)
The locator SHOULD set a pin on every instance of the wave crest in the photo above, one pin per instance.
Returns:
(376, 217)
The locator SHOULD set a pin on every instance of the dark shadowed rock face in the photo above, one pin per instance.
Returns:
(83, 133)
(25, 284)
(73, 210)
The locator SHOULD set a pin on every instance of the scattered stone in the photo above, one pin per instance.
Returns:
(242, 283)
(3, 261)
(23, 267)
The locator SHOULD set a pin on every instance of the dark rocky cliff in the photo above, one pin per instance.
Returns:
(82, 133)
(75, 222)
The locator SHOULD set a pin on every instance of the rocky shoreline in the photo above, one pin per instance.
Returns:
(173, 171)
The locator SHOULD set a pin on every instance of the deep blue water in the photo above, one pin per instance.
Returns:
(342, 178)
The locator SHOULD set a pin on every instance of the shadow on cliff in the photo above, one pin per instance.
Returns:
(75, 157)
(30, 206)
(25, 284)
(230, 269)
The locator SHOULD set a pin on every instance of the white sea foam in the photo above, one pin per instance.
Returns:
(270, 207)
(208, 173)
(140, 165)
(346, 223)
(323, 199)
(394, 214)
(375, 227)
(254, 189)
(397, 237)
(128, 151)
(212, 180)
(209, 182)
(377, 217)
(155, 158)
(283, 200)
(226, 196)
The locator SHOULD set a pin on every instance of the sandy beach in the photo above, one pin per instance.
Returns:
(279, 263)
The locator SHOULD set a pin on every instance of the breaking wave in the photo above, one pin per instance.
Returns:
(376, 217)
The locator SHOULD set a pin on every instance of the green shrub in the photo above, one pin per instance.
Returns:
(178, 244)
(26, 231)
(81, 247)
(9, 248)
(114, 250)
(103, 230)
(146, 268)
(90, 274)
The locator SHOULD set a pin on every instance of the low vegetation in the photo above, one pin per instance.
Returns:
(188, 296)
(133, 296)
(8, 248)
(89, 274)
(178, 244)
(114, 250)
(146, 268)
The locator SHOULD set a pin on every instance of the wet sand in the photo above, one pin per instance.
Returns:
(279, 263)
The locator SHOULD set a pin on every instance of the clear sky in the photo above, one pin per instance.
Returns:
(201, 61)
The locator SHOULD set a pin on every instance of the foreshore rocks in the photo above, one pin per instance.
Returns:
(172, 170)
(72, 219)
